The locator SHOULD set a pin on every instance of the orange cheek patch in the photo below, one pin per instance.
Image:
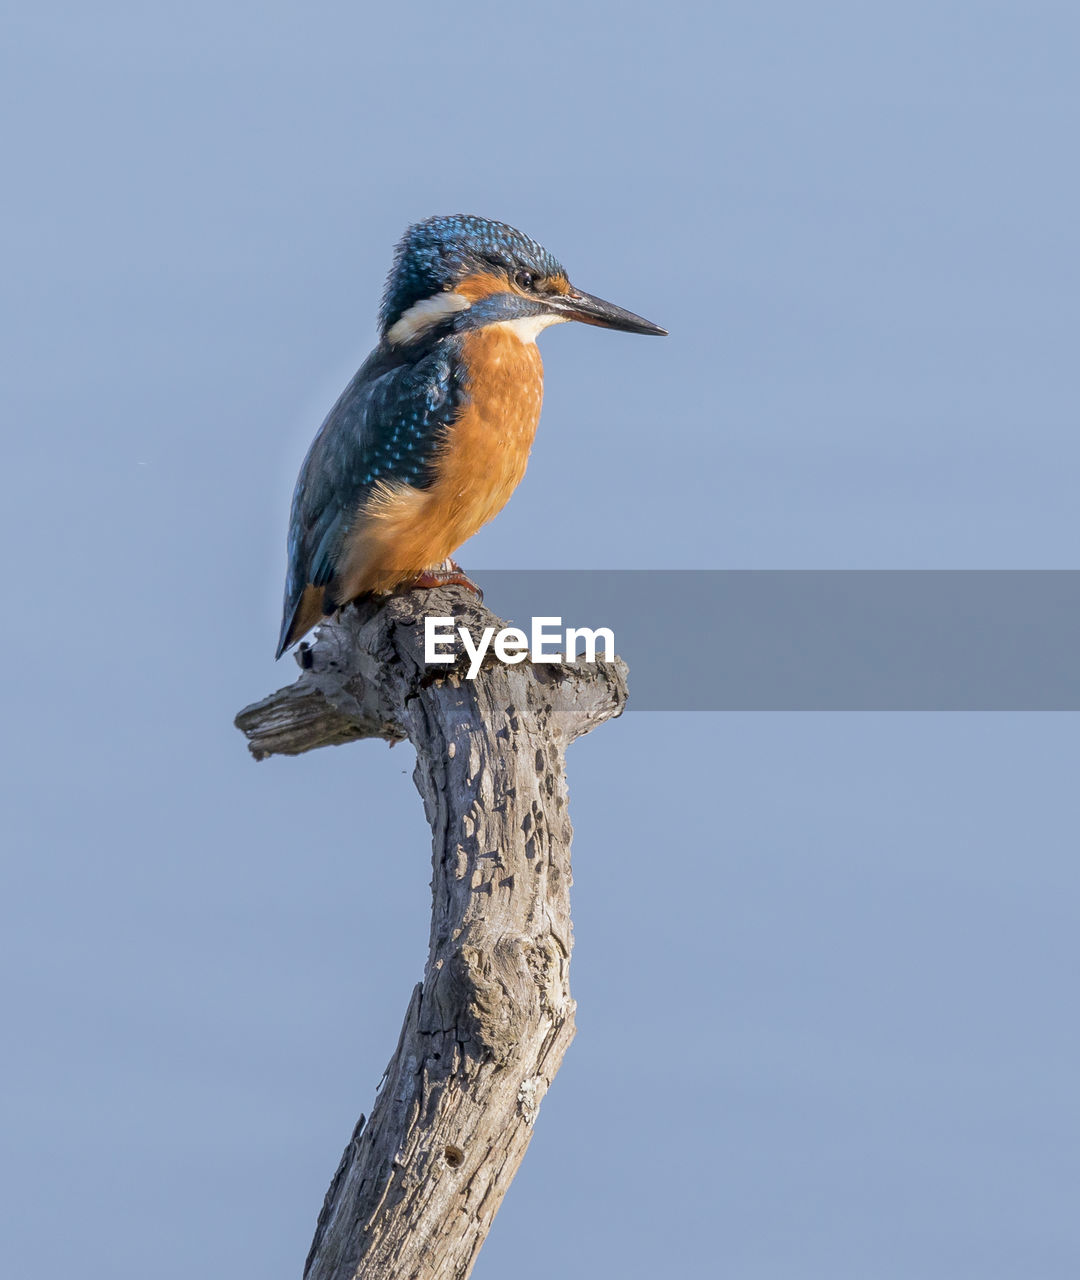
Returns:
(481, 285)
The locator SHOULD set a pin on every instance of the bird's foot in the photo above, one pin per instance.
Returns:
(448, 574)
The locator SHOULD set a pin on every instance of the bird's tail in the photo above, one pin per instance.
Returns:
(298, 621)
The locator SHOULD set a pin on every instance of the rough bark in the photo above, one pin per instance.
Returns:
(486, 1030)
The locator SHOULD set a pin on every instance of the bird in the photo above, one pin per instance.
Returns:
(432, 435)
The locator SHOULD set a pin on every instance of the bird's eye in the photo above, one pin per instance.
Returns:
(525, 280)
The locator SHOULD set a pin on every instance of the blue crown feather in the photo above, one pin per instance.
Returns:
(438, 252)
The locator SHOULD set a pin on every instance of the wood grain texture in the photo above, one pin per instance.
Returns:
(485, 1031)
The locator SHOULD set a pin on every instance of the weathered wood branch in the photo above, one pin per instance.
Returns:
(486, 1030)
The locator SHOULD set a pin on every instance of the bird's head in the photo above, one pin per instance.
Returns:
(467, 272)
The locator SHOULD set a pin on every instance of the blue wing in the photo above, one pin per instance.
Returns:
(387, 425)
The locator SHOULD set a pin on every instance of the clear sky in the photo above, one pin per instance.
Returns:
(826, 964)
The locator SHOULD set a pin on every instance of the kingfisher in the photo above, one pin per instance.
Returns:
(432, 435)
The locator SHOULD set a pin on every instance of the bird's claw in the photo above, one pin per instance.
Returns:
(449, 574)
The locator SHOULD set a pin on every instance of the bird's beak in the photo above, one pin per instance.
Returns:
(576, 305)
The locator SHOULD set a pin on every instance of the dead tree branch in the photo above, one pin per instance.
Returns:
(484, 1033)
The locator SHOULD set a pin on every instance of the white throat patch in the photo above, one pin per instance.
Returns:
(423, 314)
(528, 327)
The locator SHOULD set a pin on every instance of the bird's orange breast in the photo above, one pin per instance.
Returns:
(481, 462)
(488, 447)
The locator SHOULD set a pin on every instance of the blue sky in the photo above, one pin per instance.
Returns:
(825, 963)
